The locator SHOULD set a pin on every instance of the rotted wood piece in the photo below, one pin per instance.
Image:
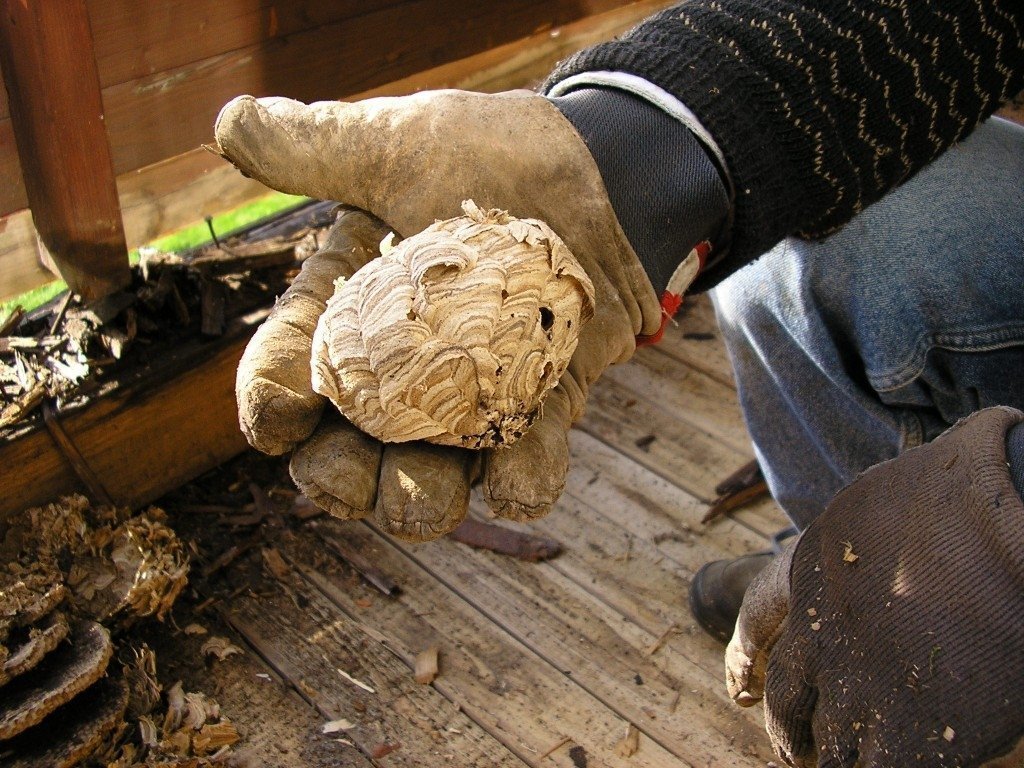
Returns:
(741, 487)
(12, 320)
(506, 541)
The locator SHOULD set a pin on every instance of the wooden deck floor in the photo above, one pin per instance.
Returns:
(540, 664)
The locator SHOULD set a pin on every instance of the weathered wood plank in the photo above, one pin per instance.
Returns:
(669, 447)
(12, 191)
(678, 451)
(20, 268)
(310, 643)
(570, 630)
(133, 39)
(526, 703)
(614, 486)
(57, 117)
(686, 394)
(695, 339)
(282, 730)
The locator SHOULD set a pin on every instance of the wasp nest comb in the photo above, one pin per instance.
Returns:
(456, 334)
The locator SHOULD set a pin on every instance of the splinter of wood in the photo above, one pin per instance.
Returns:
(506, 541)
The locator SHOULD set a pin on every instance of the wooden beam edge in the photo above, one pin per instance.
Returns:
(140, 441)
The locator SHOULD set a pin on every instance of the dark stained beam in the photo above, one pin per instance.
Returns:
(53, 90)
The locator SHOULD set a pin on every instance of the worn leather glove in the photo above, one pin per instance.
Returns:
(410, 161)
(892, 631)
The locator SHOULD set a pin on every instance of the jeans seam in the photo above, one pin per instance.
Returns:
(973, 341)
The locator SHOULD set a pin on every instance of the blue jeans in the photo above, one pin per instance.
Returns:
(850, 349)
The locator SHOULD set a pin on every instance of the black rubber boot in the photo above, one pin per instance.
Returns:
(717, 590)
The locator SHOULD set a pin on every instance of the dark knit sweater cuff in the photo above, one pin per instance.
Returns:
(665, 190)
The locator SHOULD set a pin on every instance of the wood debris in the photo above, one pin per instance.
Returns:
(333, 726)
(506, 541)
(275, 564)
(630, 743)
(383, 750)
(425, 668)
(743, 486)
(66, 351)
(357, 683)
(849, 556)
(220, 647)
(661, 640)
(555, 747)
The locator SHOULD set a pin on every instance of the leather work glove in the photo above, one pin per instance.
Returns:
(409, 161)
(892, 631)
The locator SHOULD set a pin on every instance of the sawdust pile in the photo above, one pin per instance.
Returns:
(72, 579)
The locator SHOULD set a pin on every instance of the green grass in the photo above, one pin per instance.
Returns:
(182, 240)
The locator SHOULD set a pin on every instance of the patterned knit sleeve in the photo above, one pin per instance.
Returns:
(822, 106)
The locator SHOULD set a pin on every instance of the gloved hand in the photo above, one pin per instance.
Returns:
(892, 631)
(409, 161)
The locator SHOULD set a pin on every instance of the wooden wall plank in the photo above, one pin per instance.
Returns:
(135, 40)
(20, 267)
(58, 123)
(162, 197)
(155, 117)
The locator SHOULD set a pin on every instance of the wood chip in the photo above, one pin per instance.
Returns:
(848, 554)
(220, 647)
(629, 743)
(565, 740)
(662, 638)
(426, 666)
(383, 750)
(355, 682)
(275, 564)
(333, 726)
(506, 541)
(949, 734)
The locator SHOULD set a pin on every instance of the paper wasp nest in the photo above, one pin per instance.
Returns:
(454, 335)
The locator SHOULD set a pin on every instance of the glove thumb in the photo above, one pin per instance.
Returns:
(762, 617)
(301, 149)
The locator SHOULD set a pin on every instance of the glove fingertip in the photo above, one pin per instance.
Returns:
(423, 490)
(337, 469)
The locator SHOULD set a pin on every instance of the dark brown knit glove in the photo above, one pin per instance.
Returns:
(892, 632)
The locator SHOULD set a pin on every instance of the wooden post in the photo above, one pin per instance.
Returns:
(46, 52)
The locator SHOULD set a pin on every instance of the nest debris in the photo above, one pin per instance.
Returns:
(72, 579)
